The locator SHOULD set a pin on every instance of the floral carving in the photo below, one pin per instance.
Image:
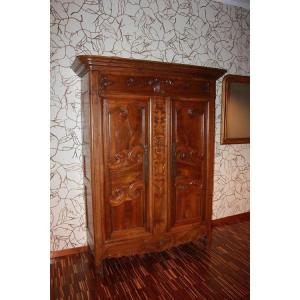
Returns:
(131, 81)
(159, 146)
(104, 82)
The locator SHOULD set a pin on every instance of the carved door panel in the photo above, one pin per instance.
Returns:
(188, 167)
(125, 126)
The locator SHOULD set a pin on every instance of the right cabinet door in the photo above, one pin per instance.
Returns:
(188, 165)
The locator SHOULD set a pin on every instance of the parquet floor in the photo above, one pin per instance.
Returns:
(191, 271)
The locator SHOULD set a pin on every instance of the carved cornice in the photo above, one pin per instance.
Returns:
(83, 63)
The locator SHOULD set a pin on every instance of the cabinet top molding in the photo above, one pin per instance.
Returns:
(83, 63)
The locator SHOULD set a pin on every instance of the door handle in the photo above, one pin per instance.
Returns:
(146, 163)
(174, 160)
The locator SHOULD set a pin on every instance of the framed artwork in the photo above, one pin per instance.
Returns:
(235, 121)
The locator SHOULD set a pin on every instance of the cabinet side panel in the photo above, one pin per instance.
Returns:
(210, 156)
(86, 157)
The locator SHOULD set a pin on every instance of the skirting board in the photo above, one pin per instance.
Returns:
(217, 222)
(232, 219)
(64, 252)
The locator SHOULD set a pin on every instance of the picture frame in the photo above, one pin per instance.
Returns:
(235, 104)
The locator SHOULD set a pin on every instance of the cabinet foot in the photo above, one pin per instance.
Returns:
(99, 269)
(207, 239)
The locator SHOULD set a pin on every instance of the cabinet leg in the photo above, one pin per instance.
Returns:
(208, 238)
(99, 269)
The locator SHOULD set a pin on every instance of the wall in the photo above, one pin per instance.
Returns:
(197, 32)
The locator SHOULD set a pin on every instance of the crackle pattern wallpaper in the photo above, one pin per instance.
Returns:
(198, 32)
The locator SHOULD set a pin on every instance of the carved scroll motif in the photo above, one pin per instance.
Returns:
(127, 158)
(134, 154)
(183, 184)
(188, 155)
(192, 112)
(122, 194)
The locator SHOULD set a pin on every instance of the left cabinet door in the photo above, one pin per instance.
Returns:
(126, 171)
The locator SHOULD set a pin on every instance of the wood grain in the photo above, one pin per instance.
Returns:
(190, 271)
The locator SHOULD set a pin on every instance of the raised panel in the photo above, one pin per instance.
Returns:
(126, 165)
(189, 119)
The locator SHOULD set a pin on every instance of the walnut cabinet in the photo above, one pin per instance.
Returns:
(148, 153)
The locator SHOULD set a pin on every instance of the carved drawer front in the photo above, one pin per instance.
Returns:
(152, 85)
(188, 167)
(125, 126)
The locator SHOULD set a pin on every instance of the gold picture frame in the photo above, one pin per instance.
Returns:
(235, 122)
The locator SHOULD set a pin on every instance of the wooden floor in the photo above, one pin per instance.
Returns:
(191, 271)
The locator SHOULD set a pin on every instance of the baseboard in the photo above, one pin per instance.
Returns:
(232, 219)
(217, 222)
(64, 252)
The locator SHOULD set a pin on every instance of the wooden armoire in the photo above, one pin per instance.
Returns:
(148, 153)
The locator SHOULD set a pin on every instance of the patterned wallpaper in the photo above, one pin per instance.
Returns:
(198, 32)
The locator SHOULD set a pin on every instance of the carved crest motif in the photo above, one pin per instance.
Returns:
(157, 84)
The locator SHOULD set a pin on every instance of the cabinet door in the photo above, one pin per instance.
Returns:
(126, 135)
(188, 167)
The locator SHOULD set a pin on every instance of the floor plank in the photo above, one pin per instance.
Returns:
(191, 271)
